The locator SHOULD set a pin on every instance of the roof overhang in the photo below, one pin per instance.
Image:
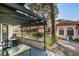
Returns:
(9, 15)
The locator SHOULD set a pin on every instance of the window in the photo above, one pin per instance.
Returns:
(70, 31)
(61, 31)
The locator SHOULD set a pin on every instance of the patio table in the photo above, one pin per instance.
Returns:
(20, 50)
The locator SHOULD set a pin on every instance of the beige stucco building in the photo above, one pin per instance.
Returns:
(68, 30)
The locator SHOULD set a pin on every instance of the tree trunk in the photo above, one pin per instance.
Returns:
(52, 16)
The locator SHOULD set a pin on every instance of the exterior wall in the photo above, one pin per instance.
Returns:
(41, 29)
(65, 27)
(10, 32)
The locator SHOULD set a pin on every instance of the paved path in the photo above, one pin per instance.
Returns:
(66, 48)
(33, 43)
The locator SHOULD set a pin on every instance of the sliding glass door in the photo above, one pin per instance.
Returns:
(4, 32)
(4, 39)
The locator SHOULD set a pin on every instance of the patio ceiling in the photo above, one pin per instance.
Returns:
(9, 15)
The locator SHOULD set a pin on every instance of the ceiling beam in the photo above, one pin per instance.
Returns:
(34, 24)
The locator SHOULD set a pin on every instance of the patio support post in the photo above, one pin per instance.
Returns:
(44, 37)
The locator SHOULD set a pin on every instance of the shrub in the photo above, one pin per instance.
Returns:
(37, 34)
(31, 30)
(76, 39)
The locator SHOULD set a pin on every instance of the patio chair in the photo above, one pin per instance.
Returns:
(5, 47)
(15, 42)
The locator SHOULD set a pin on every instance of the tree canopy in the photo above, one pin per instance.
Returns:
(43, 9)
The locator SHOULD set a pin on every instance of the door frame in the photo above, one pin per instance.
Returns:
(71, 31)
(6, 29)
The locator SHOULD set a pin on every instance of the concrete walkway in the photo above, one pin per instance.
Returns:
(66, 48)
(33, 43)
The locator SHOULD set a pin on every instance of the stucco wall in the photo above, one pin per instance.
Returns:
(65, 27)
(10, 30)
(41, 29)
(77, 33)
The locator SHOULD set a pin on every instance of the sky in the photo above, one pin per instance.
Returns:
(68, 11)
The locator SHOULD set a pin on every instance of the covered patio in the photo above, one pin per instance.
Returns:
(18, 14)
